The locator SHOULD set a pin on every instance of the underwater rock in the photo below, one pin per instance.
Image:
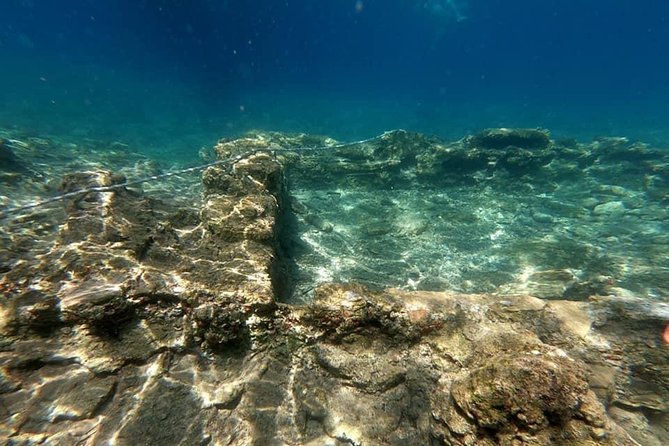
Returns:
(92, 302)
(169, 411)
(609, 209)
(529, 395)
(551, 284)
(8, 159)
(150, 322)
(462, 368)
(503, 138)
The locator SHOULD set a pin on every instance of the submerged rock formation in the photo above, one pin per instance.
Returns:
(149, 323)
(502, 138)
(7, 158)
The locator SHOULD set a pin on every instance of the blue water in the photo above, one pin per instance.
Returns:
(169, 76)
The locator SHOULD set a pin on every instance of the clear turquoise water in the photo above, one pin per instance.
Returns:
(93, 84)
(168, 77)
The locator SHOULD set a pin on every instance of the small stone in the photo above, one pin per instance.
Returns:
(599, 433)
(614, 190)
(540, 217)
(612, 208)
(590, 202)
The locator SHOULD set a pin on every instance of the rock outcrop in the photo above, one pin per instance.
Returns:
(147, 323)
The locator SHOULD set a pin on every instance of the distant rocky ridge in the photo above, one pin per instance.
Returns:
(149, 322)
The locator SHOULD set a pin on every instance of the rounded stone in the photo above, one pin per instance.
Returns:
(610, 208)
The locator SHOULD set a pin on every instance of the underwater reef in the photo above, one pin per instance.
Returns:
(503, 289)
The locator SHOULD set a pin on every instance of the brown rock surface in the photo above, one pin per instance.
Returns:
(151, 325)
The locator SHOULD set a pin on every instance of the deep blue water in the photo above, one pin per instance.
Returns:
(171, 76)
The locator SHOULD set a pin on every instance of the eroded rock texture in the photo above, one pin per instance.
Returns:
(151, 324)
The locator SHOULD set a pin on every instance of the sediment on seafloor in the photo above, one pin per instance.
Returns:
(147, 322)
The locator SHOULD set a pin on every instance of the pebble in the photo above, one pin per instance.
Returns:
(541, 217)
(610, 208)
(590, 202)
